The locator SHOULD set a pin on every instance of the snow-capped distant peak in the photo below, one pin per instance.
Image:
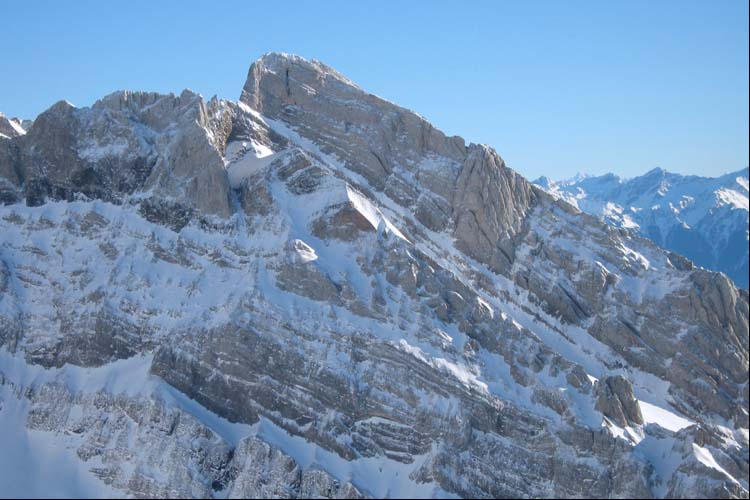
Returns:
(703, 218)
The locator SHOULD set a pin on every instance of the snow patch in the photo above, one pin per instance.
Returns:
(371, 212)
(304, 251)
(460, 372)
(653, 414)
(733, 198)
(249, 158)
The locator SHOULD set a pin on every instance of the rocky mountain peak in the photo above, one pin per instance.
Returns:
(315, 292)
(284, 85)
(288, 66)
(396, 151)
(656, 172)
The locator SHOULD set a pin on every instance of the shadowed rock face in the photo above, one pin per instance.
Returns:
(329, 270)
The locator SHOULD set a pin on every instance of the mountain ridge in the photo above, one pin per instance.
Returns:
(332, 287)
(703, 218)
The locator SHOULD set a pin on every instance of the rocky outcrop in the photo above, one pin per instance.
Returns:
(261, 471)
(125, 143)
(590, 274)
(616, 401)
(489, 206)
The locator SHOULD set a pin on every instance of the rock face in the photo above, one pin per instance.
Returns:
(325, 296)
(127, 142)
(617, 402)
(148, 446)
(469, 188)
(702, 218)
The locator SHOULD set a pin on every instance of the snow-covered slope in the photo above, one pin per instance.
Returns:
(702, 218)
(314, 293)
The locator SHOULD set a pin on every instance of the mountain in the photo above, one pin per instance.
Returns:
(312, 292)
(12, 127)
(702, 218)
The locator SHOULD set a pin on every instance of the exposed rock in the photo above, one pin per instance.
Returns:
(616, 401)
(332, 298)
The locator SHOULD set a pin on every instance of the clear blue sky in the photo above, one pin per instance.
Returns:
(557, 87)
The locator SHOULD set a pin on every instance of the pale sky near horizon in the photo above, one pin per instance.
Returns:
(555, 87)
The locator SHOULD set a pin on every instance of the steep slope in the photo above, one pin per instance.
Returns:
(377, 309)
(702, 218)
(10, 127)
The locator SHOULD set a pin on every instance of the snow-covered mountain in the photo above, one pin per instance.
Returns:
(702, 218)
(312, 292)
(12, 127)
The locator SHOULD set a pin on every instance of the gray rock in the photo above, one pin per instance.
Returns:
(616, 401)
(392, 298)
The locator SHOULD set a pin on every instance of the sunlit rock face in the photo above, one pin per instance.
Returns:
(312, 292)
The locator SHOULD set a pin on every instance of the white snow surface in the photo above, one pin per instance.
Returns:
(243, 159)
(653, 414)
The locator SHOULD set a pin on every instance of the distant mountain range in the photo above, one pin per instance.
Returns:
(702, 218)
